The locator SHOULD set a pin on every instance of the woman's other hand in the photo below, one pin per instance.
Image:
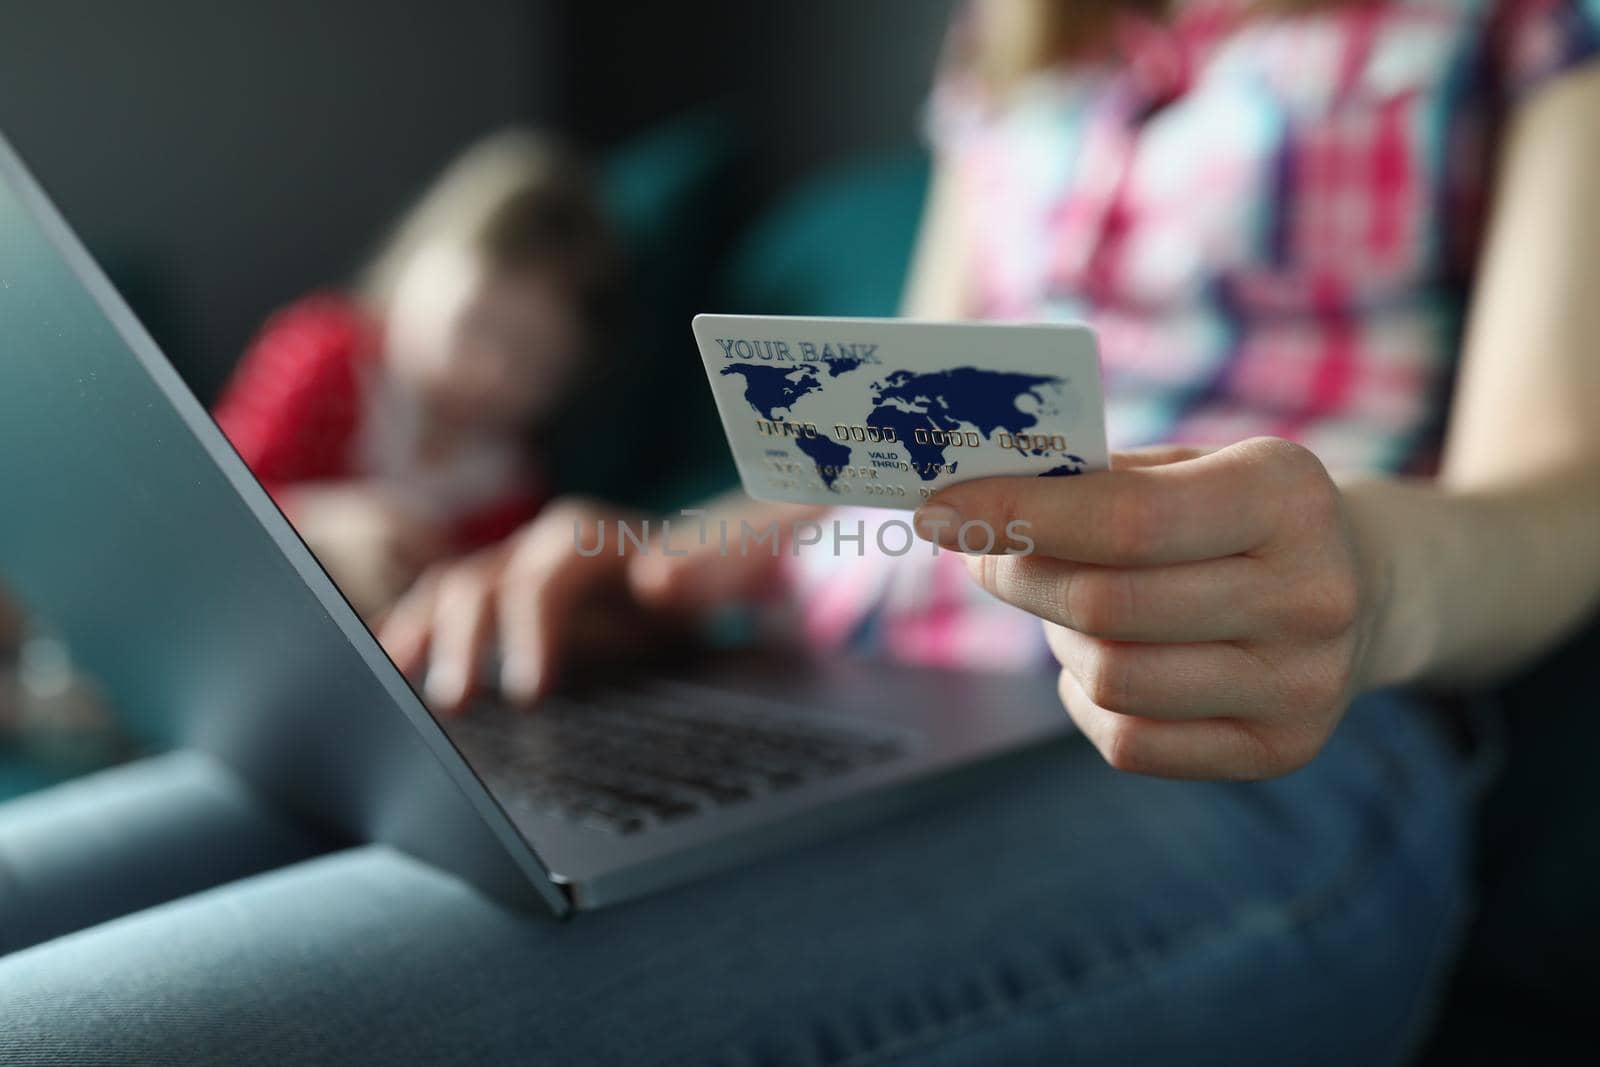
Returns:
(555, 593)
(1209, 608)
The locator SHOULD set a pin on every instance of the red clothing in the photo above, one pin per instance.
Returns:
(297, 405)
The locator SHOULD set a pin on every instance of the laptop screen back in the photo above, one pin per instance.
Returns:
(131, 528)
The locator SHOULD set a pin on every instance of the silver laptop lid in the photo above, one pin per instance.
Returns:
(131, 527)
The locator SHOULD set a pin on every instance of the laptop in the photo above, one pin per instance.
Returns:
(134, 531)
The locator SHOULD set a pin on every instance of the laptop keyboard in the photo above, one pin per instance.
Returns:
(623, 762)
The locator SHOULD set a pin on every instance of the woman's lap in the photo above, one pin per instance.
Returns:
(1064, 914)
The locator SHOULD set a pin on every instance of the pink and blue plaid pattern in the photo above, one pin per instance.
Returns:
(1271, 221)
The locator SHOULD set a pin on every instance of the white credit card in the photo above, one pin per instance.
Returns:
(886, 412)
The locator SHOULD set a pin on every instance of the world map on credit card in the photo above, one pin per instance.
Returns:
(871, 411)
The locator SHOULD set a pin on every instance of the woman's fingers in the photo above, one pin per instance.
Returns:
(1212, 505)
(440, 630)
(545, 584)
(1205, 606)
(1214, 600)
(406, 629)
(1181, 681)
(463, 629)
(1203, 749)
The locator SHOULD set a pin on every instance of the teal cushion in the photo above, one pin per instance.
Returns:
(838, 245)
(649, 184)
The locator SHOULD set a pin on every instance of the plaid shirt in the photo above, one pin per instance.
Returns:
(1271, 222)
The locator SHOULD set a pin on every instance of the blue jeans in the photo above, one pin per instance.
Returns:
(1067, 914)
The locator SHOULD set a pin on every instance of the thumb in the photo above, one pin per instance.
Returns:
(1156, 456)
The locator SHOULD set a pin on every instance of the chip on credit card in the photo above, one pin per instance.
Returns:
(887, 412)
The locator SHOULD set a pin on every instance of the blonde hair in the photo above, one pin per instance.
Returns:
(1011, 39)
(519, 201)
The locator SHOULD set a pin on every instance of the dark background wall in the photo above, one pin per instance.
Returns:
(825, 78)
(219, 159)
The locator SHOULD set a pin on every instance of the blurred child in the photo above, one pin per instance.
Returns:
(403, 420)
